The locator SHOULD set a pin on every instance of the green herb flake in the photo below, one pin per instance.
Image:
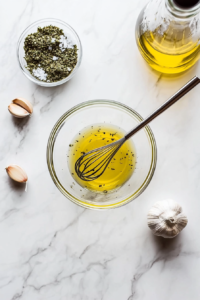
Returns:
(48, 56)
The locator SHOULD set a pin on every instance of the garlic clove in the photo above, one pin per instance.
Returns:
(17, 111)
(24, 104)
(17, 173)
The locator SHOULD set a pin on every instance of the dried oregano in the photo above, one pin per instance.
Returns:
(49, 54)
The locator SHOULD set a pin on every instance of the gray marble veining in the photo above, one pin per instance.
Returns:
(52, 249)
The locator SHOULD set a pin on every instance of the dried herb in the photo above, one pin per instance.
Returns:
(49, 54)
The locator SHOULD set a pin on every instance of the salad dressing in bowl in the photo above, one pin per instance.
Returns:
(121, 166)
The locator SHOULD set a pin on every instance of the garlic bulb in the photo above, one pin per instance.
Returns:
(20, 108)
(166, 219)
(17, 173)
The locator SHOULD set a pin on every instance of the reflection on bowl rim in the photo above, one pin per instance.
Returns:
(37, 81)
(50, 149)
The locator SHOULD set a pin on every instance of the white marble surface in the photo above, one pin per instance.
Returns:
(53, 249)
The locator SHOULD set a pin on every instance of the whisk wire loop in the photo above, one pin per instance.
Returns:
(92, 165)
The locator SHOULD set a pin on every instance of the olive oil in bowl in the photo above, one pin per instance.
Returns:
(121, 166)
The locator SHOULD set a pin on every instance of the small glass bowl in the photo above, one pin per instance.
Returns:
(90, 113)
(70, 33)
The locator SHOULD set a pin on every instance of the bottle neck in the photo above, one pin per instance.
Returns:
(183, 8)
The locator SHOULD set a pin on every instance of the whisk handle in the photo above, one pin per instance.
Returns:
(178, 95)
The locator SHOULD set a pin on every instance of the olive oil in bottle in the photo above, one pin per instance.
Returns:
(121, 166)
(168, 34)
(169, 54)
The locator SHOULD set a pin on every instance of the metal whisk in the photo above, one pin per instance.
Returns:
(93, 164)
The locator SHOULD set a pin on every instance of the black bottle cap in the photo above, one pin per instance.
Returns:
(186, 4)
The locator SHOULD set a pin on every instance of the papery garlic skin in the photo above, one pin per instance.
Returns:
(16, 173)
(166, 219)
(20, 108)
(17, 111)
(24, 104)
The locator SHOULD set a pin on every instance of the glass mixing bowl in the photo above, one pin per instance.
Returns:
(69, 32)
(90, 113)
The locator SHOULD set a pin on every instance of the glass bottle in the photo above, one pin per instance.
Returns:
(168, 34)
